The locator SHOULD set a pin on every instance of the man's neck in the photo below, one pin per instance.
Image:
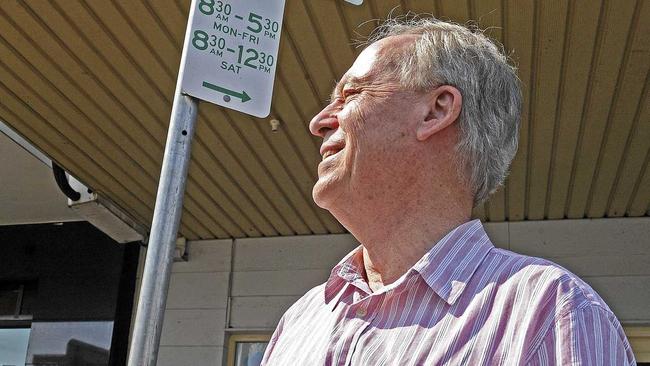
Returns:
(397, 231)
(388, 255)
(397, 222)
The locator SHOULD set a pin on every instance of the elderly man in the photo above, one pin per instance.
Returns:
(419, 130)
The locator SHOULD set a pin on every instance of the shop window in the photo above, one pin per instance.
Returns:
(13, 346)
(247, 349)
(16, 300)
(66, 296)
(70, 343)
(15, 320)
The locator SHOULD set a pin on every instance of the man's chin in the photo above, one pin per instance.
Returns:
(323, 195)
(317, 196)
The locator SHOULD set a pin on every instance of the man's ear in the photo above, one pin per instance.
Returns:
(445, 103)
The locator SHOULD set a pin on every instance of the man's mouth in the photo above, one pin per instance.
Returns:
(329, 153)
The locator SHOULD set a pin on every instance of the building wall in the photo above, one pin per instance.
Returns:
(197, 302)
(270, 274)
(244, 285)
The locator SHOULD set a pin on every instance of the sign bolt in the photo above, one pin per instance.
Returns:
(275, 124)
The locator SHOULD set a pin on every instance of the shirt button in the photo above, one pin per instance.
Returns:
(361, 312)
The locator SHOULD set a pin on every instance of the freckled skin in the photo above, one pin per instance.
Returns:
(396, 192)
(372, 125)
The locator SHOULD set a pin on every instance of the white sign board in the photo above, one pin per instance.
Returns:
(231, 53)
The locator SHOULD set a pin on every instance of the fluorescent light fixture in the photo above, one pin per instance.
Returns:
(105, 215)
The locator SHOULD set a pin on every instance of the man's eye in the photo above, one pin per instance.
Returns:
(349, 93)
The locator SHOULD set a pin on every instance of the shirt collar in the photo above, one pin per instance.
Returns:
(348, 270)
(451, 263)
(446, 268)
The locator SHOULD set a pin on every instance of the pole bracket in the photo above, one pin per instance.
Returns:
(180, 251)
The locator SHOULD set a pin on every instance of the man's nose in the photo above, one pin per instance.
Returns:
(326, 120)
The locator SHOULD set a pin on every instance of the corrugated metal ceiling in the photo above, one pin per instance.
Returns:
(91, 83)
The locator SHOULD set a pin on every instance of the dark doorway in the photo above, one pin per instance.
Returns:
(71, 289)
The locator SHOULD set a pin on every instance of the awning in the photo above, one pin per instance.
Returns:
(91, 85)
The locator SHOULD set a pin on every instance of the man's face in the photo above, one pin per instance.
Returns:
(367, 131)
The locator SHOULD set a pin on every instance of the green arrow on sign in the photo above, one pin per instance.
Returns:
(243, 96)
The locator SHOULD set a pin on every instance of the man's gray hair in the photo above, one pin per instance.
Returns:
(450, 54)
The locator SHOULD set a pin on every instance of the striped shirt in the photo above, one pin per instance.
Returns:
(464, 302)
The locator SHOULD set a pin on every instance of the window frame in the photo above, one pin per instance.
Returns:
(233, 339)
(639, 338)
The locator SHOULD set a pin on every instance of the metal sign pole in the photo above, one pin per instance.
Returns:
(229, 59)
(164, 228)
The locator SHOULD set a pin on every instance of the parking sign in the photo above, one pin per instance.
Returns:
(232, 53)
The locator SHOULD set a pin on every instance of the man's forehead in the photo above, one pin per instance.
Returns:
(361, 70)
(368, 65)
(365, 62)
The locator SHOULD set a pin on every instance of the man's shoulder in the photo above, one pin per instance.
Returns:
(313, 298)
(554, 309)
(549, 281)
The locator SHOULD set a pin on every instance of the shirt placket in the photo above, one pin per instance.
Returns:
(361, 314)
